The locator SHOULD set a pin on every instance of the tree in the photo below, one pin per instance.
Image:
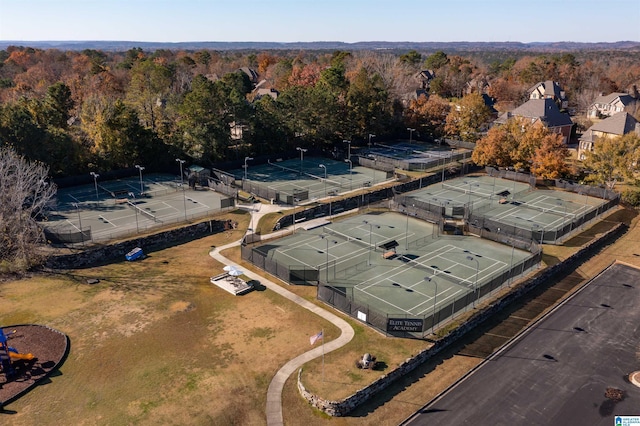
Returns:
(149, 86)
(412, 58)
(25, 195)
(436, 60)
(496, 148)
(613, 159)
(549, 159)
(524, 146)
(366, 100)
(428, 115)
(204, 133)
(58, 105)
(470, 117)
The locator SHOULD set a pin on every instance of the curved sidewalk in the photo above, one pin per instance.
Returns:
(274, 393)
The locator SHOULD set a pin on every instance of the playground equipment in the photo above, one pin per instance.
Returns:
(9, 355)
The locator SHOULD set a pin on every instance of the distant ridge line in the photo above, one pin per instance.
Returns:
(108, 45)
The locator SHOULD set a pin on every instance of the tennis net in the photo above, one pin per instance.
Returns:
(551, 210)
(345, 237)
(144, 212)
(111, 193)
(465, 190)
(290, 170)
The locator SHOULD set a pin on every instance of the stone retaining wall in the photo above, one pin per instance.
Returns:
(116, 252)
(346, 405)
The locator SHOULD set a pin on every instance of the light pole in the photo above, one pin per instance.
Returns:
(181, 175)
(79, 221)
(95, 182)
(184, 197)
(295, 200)
(324, 237)
(410, 133)
(513, 249)
(349, 143)
(131, 194)
(245, 166)
(536, 226)
(435, 298)
(406, 232)
(302, 151)
(584, 215)
(140, 168)
(470, 185)
(350, 175)
(371, 135)
(371, 225)
(475, 285)
(325, 177)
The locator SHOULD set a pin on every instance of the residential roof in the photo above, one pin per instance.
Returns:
(625, 98)
(550, 87)
(618, 124)
(543, 109)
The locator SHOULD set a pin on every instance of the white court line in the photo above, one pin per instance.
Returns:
(104, 219)
(197, 202)
(72, 224)
(385, 301)
(442, 301)
(401, 269)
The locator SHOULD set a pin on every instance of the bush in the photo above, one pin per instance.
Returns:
(631, 197)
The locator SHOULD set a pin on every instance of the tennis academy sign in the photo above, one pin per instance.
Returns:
(404, 324)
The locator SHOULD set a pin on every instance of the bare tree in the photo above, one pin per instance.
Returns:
(24, 196)
(397, 76)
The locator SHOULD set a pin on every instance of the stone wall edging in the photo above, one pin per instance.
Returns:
(116, 251)
(346, 405)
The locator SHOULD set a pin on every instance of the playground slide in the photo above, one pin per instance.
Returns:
(26, 357)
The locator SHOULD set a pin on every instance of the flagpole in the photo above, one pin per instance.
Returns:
(323, 355)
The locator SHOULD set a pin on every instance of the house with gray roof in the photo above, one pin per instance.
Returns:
(543, 111)
(549, 89)
(610, 128)
(424, 78)
(613, 103)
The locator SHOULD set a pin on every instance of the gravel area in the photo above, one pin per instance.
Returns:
(49, 348)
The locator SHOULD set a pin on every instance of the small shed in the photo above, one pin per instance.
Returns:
(197, 175)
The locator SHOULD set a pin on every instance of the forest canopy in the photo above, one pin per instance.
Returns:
(78, 111)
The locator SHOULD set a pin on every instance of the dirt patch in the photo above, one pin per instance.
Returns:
(181, 306)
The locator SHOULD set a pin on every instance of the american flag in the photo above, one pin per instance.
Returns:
(313, 339)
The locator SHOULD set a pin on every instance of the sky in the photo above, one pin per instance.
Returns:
(321, 20)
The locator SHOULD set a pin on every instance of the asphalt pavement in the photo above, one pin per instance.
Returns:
(557, 372)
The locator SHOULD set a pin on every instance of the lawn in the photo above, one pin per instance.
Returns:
(155, 343)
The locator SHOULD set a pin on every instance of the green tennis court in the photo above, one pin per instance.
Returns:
(398, 265)
(106, 210)
(310, 178)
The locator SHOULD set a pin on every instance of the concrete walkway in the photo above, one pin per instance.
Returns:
(274, 393)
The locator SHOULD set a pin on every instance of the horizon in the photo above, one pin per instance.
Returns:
(329, 21)
(314, 41)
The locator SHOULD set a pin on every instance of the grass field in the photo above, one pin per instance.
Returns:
(155, 343)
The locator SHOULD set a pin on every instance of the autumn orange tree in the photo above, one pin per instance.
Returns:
(524, 146)
(428, 114)
(468, 118)
(613, 159)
